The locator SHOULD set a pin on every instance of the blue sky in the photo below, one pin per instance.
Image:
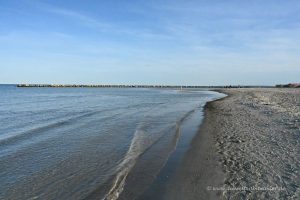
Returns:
(150, 42)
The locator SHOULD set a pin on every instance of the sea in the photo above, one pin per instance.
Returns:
(93, 143)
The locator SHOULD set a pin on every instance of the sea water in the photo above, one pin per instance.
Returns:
(86, 143)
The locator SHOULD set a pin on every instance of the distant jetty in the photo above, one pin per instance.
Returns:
(131, 86)
(108, 86)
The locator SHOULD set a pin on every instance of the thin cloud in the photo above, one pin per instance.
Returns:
(83, 19)
(98, 25)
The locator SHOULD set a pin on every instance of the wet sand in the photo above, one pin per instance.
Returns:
(248, 144)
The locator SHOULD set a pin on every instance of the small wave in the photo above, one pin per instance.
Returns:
(141, 142)
(184, 117)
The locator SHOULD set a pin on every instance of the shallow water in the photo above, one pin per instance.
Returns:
(76, 143)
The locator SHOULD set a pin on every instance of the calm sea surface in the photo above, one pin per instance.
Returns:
(84, 143)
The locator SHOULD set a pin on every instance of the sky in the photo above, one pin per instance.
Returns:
(172, 42)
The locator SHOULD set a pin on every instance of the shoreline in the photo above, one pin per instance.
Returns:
(200, 165)
(140, 183)
(248, 139)
(152, 171)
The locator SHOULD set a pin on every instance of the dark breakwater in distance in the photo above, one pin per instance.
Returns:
(90, 143)
(139, 86)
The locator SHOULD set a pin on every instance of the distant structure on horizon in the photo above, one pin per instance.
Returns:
(290, 85)
(112, 86)
(135, 86)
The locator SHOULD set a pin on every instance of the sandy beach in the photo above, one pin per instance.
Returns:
(247, 148)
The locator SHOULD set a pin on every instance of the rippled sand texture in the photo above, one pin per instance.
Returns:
(258, 140)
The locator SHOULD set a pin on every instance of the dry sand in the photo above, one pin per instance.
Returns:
(249, 142)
